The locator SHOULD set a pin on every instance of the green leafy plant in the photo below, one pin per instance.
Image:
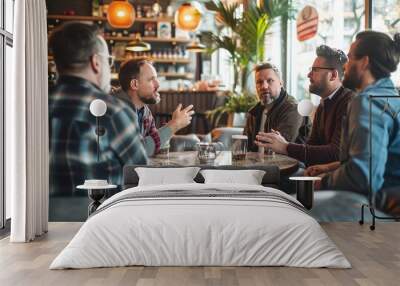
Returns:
(246, 35)
(236, 103)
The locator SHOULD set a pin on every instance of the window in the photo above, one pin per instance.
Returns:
(9, 15)
(386, 18)
(6, 43)
(339, 22)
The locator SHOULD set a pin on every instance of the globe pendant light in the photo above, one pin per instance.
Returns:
(120, 14)
(187, 17)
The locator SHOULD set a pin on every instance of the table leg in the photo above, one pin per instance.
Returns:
(95, 196)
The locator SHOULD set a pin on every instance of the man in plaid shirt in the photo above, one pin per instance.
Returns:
(81, 57)
(139, 85)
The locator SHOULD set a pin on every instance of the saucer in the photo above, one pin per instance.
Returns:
(96, 185)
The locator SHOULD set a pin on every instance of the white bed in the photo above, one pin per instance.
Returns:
(226, 225)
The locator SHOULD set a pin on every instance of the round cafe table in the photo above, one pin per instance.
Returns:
(286, 164)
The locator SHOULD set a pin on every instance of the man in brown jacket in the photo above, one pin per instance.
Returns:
(276, 110)
(325, 77)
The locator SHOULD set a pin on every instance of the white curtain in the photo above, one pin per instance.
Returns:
(27, 124)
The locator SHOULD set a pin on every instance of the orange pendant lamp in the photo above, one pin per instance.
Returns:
(187, 17)
(121, 14)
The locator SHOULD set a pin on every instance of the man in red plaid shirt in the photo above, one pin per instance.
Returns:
(139, 84)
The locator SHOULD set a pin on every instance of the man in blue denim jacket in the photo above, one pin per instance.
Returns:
(372, 58)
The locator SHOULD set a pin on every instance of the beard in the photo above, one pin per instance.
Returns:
(352, 79)
(150, 100)
(315, 89)
(266, 99)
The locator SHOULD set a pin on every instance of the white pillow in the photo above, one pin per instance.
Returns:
(166, 176)
(248, 177)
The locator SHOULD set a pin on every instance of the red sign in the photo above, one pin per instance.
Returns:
(307, 23)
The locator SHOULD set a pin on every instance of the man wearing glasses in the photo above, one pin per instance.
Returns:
(83, 65)
(325, 78)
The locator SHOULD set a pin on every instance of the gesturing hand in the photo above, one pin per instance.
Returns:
(181, 117)
(273, 140)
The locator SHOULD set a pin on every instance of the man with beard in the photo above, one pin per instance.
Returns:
(325, 77)
(82, 59)
(139, 84)
(275, 111)
(372, 58)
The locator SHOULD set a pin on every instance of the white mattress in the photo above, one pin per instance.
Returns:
(189, 231)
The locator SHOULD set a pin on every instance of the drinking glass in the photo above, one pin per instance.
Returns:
(239, 147)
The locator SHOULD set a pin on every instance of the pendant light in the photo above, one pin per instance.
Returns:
(121, 14)
(188, 17)
(137, 45)
(196, 47)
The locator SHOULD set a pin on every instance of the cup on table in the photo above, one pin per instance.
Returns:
(239, 147)
(208, 151)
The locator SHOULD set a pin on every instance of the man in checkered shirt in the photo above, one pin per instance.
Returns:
(139, 87)
(82, 61)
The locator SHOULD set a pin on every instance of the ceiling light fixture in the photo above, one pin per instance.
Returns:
(137, 45)
(121, 14)
(188, 16)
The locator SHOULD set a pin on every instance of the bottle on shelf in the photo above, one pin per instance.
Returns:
(139, 13)
(105, 9)
(95, 8)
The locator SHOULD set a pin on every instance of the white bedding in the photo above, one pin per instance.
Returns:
(183, 231)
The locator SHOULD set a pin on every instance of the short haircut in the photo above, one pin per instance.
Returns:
(130, 70)
(382, 51)
(72, 45)
(268, 65)
(334, 58)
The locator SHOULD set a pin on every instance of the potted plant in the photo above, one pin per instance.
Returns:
(236, 107)
(246, 33)
(244, 41)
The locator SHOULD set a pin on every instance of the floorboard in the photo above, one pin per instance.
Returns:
(374, 255)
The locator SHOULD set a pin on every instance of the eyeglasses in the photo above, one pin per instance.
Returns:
(110, 58)
(315, 69)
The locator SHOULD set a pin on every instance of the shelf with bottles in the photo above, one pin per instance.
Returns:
(104, 19)
(157, 60)
(160, 54)
(169, 75)
(148, 39)
(154, 60)
(176, 75)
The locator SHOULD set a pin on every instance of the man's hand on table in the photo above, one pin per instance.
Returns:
(273, 140)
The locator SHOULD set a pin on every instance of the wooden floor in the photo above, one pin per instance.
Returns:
(374, 255)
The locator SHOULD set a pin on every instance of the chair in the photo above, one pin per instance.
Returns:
(224, 135)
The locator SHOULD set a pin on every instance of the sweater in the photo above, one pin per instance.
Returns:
(282, 117)
(324, 142)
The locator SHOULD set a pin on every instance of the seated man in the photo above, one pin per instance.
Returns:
(372, 58)
(82, 59)
(275, 111)
(326, 81)
(139, 84)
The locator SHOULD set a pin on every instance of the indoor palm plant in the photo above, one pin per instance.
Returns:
(244, 38)
(244, 35)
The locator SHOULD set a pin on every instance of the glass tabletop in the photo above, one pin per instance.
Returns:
(224, 158)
